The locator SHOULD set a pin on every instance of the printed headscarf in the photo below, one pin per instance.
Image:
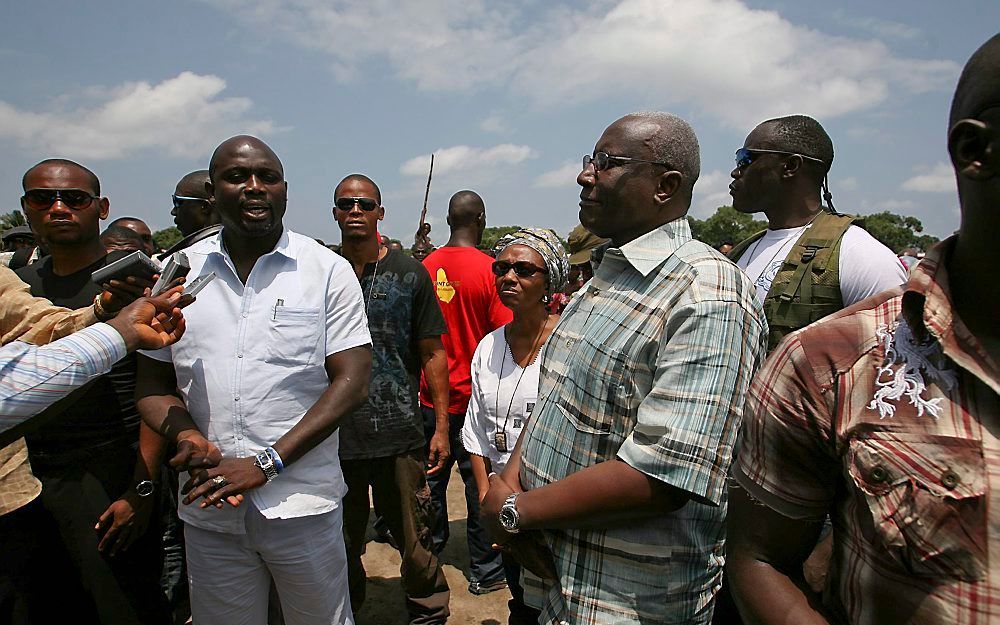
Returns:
(548, 246)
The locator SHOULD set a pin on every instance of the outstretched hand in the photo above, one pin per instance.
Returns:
(152, 322)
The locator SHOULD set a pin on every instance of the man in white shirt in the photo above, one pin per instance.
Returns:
(276, 354)
(811, 261)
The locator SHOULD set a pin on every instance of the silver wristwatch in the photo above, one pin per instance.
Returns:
(265, 463)
(145, 488)
(509, 518)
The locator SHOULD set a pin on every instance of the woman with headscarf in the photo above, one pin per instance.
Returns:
(530, 266)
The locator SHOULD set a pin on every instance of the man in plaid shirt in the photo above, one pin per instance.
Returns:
(886, 416)
(623, 463)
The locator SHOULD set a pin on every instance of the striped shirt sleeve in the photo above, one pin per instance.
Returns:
(34, 377)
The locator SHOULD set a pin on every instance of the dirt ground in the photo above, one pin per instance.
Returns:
(384, 604)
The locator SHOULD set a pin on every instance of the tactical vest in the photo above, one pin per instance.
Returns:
(807, 287)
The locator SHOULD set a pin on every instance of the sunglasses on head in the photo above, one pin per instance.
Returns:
(347, 203)
(603, 160)
(180, 199)
(41, 199)
(522, 269)
(746, 156)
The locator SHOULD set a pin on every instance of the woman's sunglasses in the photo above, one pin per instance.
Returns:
(521, 269)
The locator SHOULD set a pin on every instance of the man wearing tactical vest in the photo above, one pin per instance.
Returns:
(811, 261)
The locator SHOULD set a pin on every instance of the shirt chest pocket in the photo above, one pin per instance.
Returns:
(603, 389)
(293, 336)
(927, 499)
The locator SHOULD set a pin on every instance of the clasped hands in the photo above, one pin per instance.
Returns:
(211, 477)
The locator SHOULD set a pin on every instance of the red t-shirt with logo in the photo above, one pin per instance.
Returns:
(465, 289)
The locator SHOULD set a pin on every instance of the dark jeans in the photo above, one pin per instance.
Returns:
(20, 543)
(399, 493)
(91, 587)
(520, 614)
(485, 564)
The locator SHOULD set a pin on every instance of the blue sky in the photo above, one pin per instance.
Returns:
(509, 95)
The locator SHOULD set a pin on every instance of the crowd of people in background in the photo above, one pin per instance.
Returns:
(799, 427)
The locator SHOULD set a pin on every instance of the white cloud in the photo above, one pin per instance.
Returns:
(710, 192)
(494, 124)
(563, 176)
(463, 158)
(937, 179)
(847, 184)
(709, 56)
(181, 116)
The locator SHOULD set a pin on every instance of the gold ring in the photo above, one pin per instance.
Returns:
(219, 481)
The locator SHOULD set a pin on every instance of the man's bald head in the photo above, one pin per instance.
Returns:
(358, 178)
(234, 145)
(62, 162)
(669, 139)
(193, 184)
(464, 208)
(979, 86)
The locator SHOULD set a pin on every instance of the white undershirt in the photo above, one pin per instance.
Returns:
(866, 266)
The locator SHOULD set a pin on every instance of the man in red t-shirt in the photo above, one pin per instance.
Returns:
(464, 283)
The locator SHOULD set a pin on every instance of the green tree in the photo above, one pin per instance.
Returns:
(897, 232)
(11, 219)
(167, 237)
(726, 224)
(493, 233)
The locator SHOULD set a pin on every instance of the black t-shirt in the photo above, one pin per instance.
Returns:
(104, 416)
(402, 309)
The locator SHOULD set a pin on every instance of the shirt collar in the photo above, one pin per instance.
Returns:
(286, 245)
(648, 252)
(927, 310)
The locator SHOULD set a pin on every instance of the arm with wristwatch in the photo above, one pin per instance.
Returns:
(217, 479)
(600, 496)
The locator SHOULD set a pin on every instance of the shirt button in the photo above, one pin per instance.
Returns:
(237, 398)
(569, 342)
(239, 355)
(950, 480)
(244, 315)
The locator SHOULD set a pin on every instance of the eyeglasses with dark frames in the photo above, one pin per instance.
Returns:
(522, 269)
(603, 160)
(745, 156)
(180, 199)
(43, 199)
(345, 204)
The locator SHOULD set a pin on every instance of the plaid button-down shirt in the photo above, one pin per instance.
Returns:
(649, 364)
(886, 415)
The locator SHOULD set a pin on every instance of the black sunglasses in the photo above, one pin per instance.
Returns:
(41, 199)
(603, 160)
(180, 199)
(522, 269)
(746, 156)
(347, 203)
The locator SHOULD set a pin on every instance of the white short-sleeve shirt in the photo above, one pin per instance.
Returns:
(866, 266)
(503, 396)
(251, 363)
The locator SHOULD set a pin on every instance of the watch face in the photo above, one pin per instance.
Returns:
(508, 518)
(144, 488)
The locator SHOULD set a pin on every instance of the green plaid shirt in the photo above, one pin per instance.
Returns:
(650, 364)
